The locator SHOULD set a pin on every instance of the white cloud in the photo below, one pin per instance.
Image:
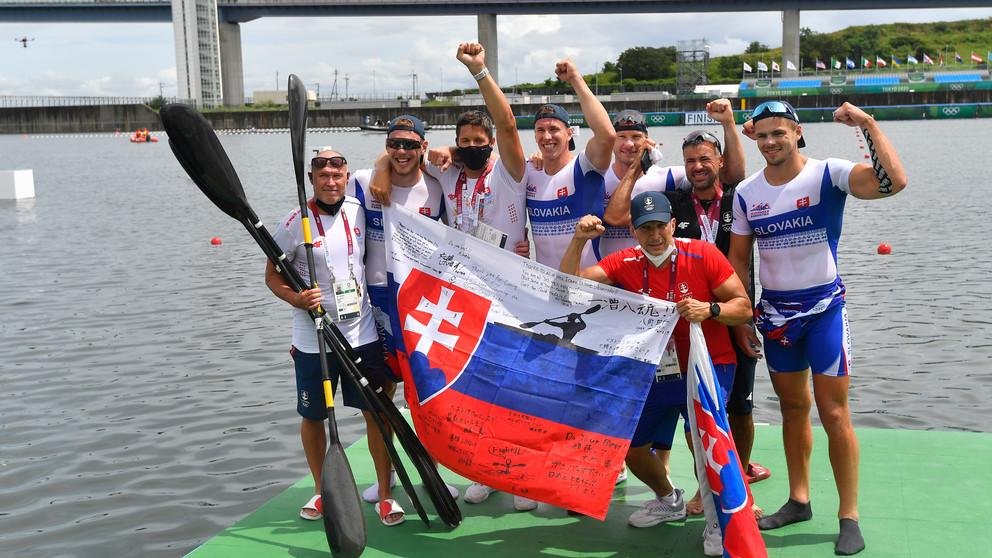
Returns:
(131, 59)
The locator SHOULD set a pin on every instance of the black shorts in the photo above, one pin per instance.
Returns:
(309, 380)
(741, 400)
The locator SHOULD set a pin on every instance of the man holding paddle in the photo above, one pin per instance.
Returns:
(339, 258)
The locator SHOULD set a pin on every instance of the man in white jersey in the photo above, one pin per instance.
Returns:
(339, 262)
(564, 190)
(794, 208)
(406, 145)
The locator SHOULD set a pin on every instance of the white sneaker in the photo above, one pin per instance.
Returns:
(371, 494)
(452, 490)
(622, 477)
(655, 511)
(524, 504)
(477, 493)
(712, 540)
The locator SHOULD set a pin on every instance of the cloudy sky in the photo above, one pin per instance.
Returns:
(381, 53)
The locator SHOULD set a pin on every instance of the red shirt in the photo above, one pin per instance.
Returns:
(699, 269)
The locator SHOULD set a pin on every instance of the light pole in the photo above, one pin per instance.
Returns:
(620, 67)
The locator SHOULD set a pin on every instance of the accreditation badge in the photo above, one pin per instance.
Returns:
(348, 299)
(490, 234)
(668, 369)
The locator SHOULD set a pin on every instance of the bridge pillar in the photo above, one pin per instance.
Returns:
(487, 37)
(790, 41)
(231, 66)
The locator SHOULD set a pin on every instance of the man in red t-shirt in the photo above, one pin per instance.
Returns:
(701, 282)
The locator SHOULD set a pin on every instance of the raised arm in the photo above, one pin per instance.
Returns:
(599, 149)
(381, 184)
(885, 176)
(588, 228)
(734, 166)
(618, 210)
(511, 150)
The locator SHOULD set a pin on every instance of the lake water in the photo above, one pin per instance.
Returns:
(146, 393)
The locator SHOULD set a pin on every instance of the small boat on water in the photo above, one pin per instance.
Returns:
(143, 136)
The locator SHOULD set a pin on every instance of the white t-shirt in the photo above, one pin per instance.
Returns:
(424, 197)
(331, 262)
(797, 225)
(555, 203)
(503, 205)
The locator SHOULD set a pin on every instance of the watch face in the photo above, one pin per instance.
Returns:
(714, 309)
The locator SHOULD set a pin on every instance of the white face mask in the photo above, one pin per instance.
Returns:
(660, 258)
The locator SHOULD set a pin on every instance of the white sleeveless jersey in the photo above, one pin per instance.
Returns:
(555, 203)
(797, 225)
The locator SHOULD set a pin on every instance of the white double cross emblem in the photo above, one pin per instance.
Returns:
(439, 313)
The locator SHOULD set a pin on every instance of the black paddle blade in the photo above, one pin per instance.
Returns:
(344, 522)
(201, 154)
(298, 125)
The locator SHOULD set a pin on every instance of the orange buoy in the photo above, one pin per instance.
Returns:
(884, 249)
(216, 241)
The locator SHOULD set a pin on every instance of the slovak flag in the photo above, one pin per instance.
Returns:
(518, 376)
(726, 496)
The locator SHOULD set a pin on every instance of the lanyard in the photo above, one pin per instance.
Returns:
(480, 188)
(646, 289)
(347, 235)
(709, 219)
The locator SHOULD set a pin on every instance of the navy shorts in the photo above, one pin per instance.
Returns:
(660, 415)
(741, 399)
(309, 380)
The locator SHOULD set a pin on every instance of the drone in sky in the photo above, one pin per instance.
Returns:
(24, 41)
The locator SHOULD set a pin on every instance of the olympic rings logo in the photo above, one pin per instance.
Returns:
(951, 111)
(836, 90)
(657, 118)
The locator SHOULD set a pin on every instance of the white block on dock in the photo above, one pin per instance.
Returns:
(16, 184)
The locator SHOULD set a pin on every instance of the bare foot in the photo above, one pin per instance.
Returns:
(758, 512)
(694, 506)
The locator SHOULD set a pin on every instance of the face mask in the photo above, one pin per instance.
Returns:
(474, 158)
(660, 258)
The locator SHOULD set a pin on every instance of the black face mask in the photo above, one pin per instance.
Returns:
(474, 158)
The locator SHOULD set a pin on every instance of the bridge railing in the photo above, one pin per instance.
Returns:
(14, 101)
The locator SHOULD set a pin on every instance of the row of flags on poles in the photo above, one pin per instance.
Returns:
(878, 62)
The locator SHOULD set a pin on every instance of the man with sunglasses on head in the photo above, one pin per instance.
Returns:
(794, 208)
(339, 262)
(567, 188)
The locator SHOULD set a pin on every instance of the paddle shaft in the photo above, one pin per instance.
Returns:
(589, 310)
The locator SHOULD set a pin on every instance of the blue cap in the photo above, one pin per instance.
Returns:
(407, 122)
(650, 206)
(558, 113)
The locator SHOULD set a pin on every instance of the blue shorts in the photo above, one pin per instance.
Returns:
(823, 345)
(309, 380)
(666, 401)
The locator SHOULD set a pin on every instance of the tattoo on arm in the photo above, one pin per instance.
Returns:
(884, 182)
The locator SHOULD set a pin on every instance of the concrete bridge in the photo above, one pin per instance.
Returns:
(208, 35)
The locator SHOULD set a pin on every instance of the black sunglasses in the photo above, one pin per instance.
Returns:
(407, 144)
(700, 137)
(336, 162)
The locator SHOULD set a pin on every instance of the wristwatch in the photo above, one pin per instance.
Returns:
(714, 309)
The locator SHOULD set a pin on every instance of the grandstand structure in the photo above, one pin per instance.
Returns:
(912, 82)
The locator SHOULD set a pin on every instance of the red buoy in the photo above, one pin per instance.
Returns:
(866, 155)
(216, 241)
(884, 249)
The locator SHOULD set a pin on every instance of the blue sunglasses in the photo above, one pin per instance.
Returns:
(769, 109)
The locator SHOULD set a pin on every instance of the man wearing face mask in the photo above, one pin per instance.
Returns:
(484, 196)
(701, 282)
